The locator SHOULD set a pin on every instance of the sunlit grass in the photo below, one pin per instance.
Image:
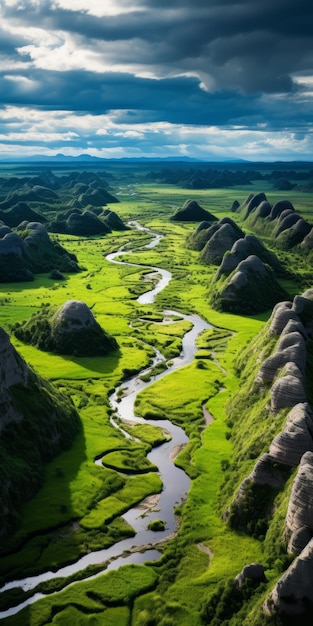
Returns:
(79, 506)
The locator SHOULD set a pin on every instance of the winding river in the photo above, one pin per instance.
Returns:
(175, 482)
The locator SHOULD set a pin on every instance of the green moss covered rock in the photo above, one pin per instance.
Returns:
(70, 329)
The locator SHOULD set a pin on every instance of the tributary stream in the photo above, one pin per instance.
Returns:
(139, 548)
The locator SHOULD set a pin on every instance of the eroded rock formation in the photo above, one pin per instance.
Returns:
(293, 594)
(29, 251)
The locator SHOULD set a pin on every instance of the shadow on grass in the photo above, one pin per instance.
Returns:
(46, 531)
(101, 364)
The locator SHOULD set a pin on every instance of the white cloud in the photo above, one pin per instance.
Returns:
(25, 131)
(99, 8)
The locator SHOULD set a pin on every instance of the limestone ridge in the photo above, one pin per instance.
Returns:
(201, 237)
(281, 222)
(79, 223)
(30, 250)
(245, 281)
(87, 222)
(71, 329)
(244, 247)
(285, 371)
(36, 423)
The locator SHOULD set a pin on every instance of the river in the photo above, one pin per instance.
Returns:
(175, 482)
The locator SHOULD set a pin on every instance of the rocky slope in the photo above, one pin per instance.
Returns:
(280, 365)
(36, 423)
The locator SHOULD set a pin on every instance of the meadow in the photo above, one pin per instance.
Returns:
(79, 507)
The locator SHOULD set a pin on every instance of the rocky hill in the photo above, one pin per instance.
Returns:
(281, 222)
(191, 211)
(250, 288)
(272, 433)
(247, 280)
(30, 250)
(213, 240)
(70, 329)
(36, 423)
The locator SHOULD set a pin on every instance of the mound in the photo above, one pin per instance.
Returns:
(29, 251)
(71, 329)
(113, 220)
(280, 222)
(96, 197)
(250, 289)
(20, 212)
(86, 224)
(192, 212)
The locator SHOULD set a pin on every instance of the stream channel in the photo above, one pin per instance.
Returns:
(139, 548)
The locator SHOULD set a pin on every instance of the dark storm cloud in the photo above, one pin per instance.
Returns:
(185, 75)
(246, 46)
(8, 44)
(176, 100)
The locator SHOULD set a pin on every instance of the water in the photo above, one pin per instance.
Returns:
(175, 482)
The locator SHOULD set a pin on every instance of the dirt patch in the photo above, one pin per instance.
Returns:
(149, 503)
(176, 450)
(203, 548)
(208, 417)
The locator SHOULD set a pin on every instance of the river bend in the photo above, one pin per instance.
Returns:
(175, 481)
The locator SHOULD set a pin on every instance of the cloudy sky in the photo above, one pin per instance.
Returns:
(200, 78)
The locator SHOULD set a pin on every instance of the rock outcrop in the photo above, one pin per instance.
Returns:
(293, 594)
(85, 224)
(202, 234)
(96, 197)
(113, 220)
(253, 571)
(289, 389)
(291, 348)
(300, 508)
(19, 213)
(251, 203)
(29, 251)
(72, 329)
(296, 438)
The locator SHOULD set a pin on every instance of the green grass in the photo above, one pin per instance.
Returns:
(79, 506)
(109, 596)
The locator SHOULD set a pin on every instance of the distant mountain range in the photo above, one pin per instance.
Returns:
(87, 158)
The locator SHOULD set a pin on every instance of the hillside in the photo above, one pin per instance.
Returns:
(36, 423)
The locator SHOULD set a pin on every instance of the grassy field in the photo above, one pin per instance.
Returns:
(78, 508)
